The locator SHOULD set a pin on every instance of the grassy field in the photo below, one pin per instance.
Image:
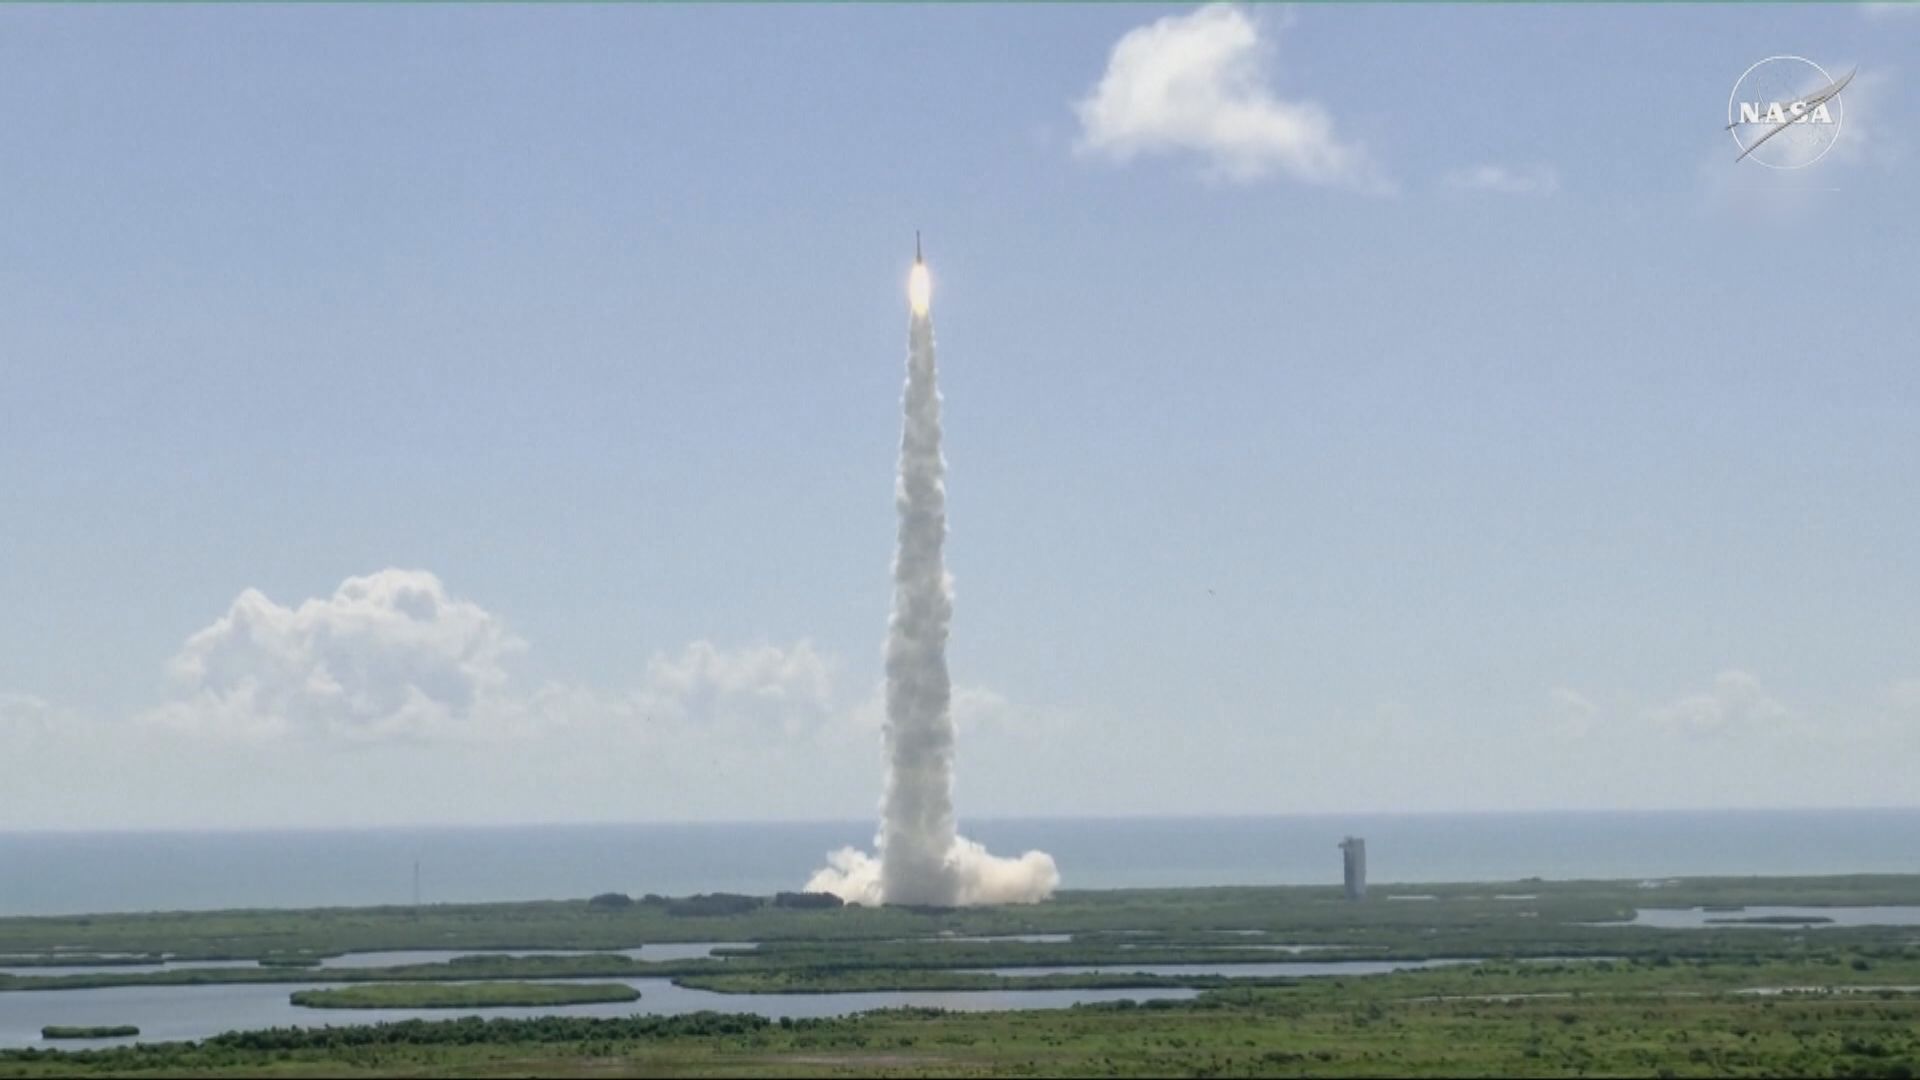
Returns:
(1305, 914)
(1160, 926)
(1316, 1030)
(463, 995)
(1547, 992)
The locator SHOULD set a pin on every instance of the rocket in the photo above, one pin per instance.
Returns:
(917, 259)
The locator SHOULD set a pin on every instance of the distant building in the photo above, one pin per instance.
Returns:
(1355, 850)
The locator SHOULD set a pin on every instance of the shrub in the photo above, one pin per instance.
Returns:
(59, 1031)
(807, 900)
(714, 904)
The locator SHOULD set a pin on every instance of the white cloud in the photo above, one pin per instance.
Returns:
(1900, 709)
(1197, 84)
(1570, 712)
(976, 710)
(1506, 180)
(391, 656)
(761, 688)
(1885, 12)
(388, 655)
(22, 709)
(1737, 704)
(1864, 140)
(26, 720)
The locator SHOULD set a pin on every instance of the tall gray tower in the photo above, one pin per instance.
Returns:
(1355, 850)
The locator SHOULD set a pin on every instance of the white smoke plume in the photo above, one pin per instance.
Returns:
(922, 858)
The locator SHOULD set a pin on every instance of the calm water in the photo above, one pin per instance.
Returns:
(1032, 939)
(71, 873)
(195, 1012)
(1696, 918)
(683, 950)
(124, 969)
(1297, 969)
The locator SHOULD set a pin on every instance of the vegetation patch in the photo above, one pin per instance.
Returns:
(1554, 993)
(1363, 1029)
(114, 1031)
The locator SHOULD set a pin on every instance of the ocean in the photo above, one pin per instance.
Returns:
(64, 873)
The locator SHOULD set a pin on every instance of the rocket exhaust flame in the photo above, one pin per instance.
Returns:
(920, 289)
(922, 858)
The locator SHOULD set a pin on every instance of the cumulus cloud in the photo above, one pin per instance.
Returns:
(1570, 712)
(393, 656)
(1736, 704)
(979, 709)
(1197, 84)
(1506, 180)
(975, 709)
(1864, 137)
(387, 655)
(26, 720)
(766, 687)
(1901, 707)
(398, 684)
(23, 709)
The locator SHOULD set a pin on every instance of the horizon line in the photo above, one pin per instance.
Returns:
(446, 826)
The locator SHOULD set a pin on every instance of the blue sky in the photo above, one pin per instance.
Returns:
(1434, 417)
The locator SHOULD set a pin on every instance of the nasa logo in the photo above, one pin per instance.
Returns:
(1750, 113)
(1785, 112)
